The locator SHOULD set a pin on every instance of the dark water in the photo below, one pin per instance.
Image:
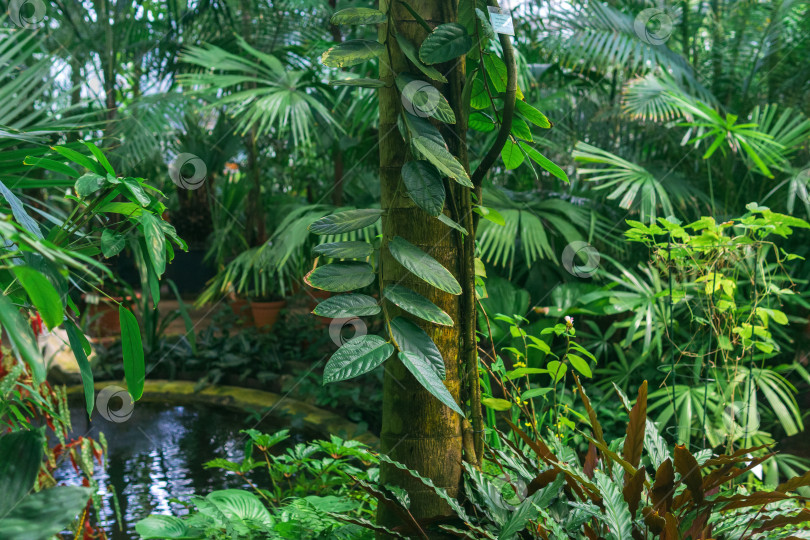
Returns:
(158, 454)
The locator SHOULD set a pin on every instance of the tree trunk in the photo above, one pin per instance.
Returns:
(417, 429)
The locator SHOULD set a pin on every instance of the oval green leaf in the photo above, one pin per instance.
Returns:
(423, 265)
(341, 277)
(345, 250)
(423, 372)
(531, 114)
(410, 338)
(446, 42)
(342, 222)
(441, 157)
(511, 155)
(357, 356)
(409, 50)
(496, 404)
(357, 15)
(580, 364)
(352, 52)
(155, 242)
(346, 306)
(424, 185)
(424, 99)
(416, 304)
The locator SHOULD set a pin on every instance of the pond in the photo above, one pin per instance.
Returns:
(158, 455)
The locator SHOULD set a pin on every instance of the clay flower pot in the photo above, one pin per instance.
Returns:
(241, 308)
(265, 314)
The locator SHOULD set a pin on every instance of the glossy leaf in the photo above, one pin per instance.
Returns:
(99, 155)
(416, 304)
(358, 81)
(531, 114)
(511, 155)
(409, 50)
(342, 222)
(112, 243)
(344, 250)
(88, 184)
(243, 510)
(441, 157)
(18, 211)
(425, 186)
(450, 223)
(446, 42)
(423, 265)
(481, 122)
(42, 294)
(352, 52)
(357, 356)
(20, 460)
(132, 349)
(424, 99)
(544, 162)
(346, 306)
(580, 364)
(424, 373)
(155, 242)
(496, 71)
(41, 515)
(341, 276)
(21, 337)
(158, 527)
(357, 15)
(408, 337)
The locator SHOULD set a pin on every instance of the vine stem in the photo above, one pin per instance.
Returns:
(508, 111)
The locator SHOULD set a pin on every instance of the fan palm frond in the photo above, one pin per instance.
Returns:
(261, 93)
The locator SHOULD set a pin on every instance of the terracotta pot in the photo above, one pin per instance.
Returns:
(241, 308)
(265, 314)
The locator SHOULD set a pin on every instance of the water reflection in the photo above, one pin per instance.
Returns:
(157, 456)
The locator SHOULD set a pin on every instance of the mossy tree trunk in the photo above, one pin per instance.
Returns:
(417, 429)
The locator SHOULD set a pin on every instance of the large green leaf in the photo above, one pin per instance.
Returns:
(616, 512)
(349, 220)
(21, 337)
(423, 372)
(159, 527)
(42, 294)
(20, 460)
(41, 515)
(345, 250)
(155, 242)
(424, 185)
(112, 243)
(133, 186)
(346, 306)
(416, 304)
(243, 510)
(511, 155)
(357, 15)
(86, 371)
(410, 338)
(423, 99)
(409, 50)
(341, 276)
(88, 184)
(531, 114)
(440, 156)
(357, 356)
(132, 348)
(544, 162)
(18, 211)
(352, 52)
(447, 41)
(423, 265)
